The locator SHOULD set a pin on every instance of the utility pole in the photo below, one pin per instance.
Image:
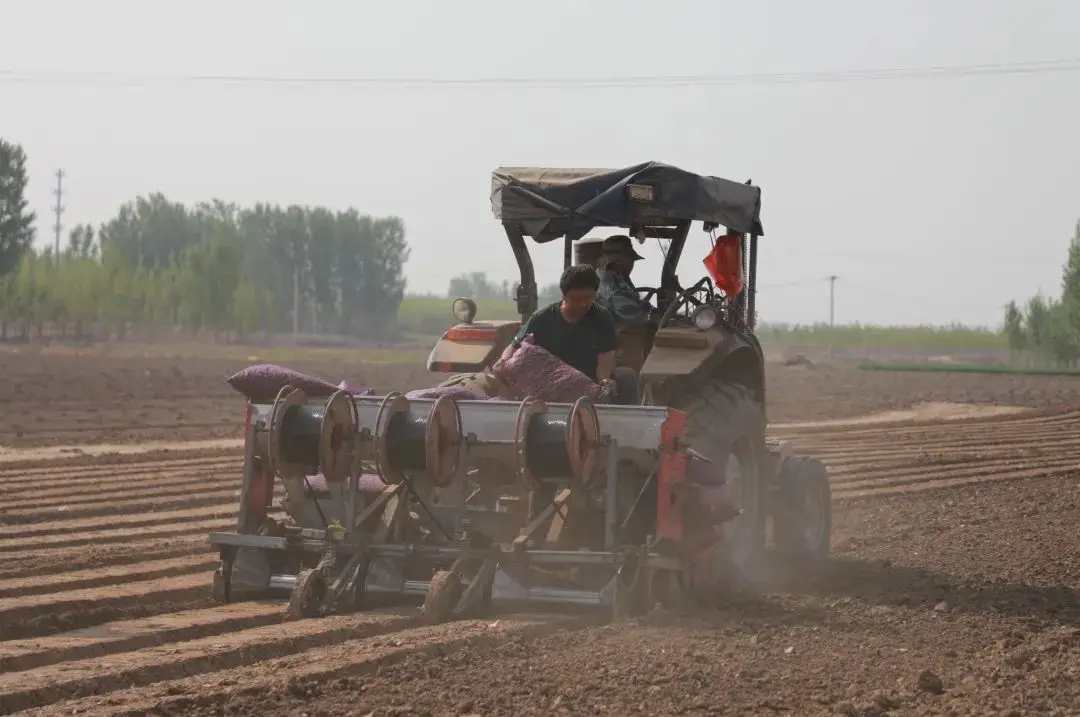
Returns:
(59, 209)
(832, 312)
(832, 301)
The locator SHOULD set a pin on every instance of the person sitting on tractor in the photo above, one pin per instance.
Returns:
(620, 297)
(617, 293)
(581, 334)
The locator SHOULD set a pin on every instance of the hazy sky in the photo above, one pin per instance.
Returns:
(933, 199)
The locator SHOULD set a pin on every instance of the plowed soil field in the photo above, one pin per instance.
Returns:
(952, 590)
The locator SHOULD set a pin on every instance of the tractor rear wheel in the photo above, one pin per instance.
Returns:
(726, 423)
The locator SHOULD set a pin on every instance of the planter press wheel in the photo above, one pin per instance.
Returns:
(631, 590)
(530, 407)
(669, 589)
(443, 593)
(583, 441)
(392, 405)
(219, 586)
(336, 435)
(802, 527)
(443, 441)
(287, 398)
(307, 595)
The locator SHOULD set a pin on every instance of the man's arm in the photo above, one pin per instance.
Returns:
(621, 301)
(515, 343)
(605, 366)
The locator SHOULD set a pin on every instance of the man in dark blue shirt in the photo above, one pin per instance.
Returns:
(617, 293)
(620, 297)
(580, 333)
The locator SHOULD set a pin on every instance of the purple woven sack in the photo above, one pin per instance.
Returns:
(262, 382)
(534, 371)
(369, 483)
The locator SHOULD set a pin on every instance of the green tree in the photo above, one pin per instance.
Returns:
(81, 243)
(1051, 327)
(16, 220)
(1070, 283)
(1014, 327)
(549, 294)
(1037, 321)
(474, 285)
(151, 232)
(1060, 342)
(217, 267)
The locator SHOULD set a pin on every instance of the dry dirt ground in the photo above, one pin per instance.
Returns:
(952, 590)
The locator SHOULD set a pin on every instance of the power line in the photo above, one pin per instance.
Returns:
(133, 79)
(785, 251)
(922, 298)
(913, 298)
(786, 284)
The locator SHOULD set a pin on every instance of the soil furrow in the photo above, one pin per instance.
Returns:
(45, 614)
(135, 486)
(943, 440)
(1022, 419)
(102, 537)
(111, 512)
(93, 498)
(919, 457)
(61, 458)
(109, 575)
(108, 509)
(60, 525)
(32, 563)
(930, 471)
(106, 464)
(915, 454)
(940, 483)
(50, 683)
(117, 637)
(318, 664)
(68, 481)
(905, 427)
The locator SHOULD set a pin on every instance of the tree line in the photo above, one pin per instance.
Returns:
(1049, 327)
(213, 266)
(476, 285)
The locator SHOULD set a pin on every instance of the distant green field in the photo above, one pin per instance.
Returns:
(428, 315)
(338, 355)
(924, 338)
(969, 368)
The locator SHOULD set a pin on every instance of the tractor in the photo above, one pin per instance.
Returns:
(700, 351)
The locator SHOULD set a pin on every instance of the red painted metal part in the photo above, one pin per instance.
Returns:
(672, 476)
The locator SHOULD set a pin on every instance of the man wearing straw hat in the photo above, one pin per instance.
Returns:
(618, 295)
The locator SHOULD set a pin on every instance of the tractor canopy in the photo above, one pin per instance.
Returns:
(548, 203)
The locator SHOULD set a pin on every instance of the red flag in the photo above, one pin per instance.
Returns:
(725, 264)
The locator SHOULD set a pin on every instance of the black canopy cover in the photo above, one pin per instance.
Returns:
(550, 203)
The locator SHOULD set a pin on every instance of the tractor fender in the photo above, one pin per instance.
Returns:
(692, 358)
(471, 348)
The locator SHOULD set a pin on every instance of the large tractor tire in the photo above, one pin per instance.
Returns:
(726, 424)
